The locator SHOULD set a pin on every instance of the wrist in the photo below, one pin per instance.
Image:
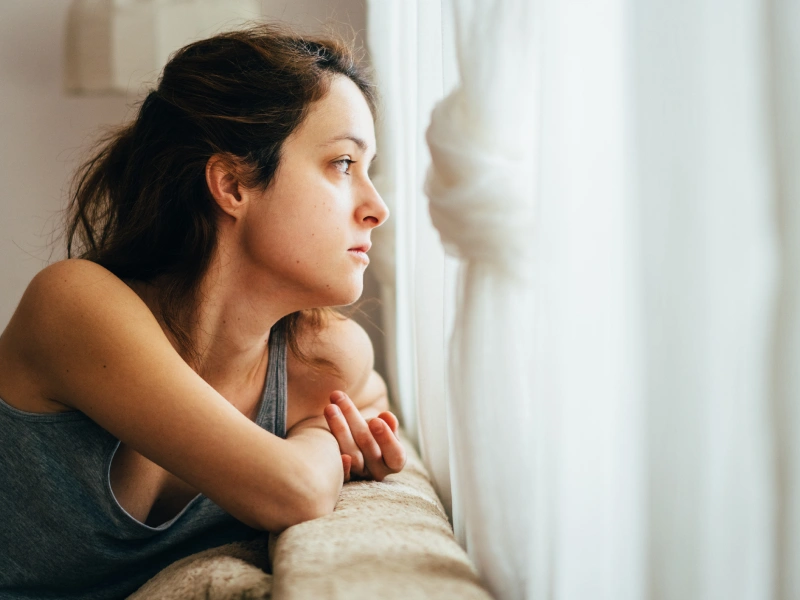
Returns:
(318, 451)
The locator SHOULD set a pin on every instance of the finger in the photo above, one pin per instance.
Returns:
(346, 462)
(391, 421)
(370, 449)
(341, 431)
(394, 455)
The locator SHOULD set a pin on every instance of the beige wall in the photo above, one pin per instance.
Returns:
(43, 132)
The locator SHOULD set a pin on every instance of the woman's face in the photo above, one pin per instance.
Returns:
(321, 205)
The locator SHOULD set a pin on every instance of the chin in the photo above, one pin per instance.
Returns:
(341, 295)
(353, 291)
(350, 298)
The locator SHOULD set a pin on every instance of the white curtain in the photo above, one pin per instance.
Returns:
(783, 28)
(481, 192)
(405, 48)
(618, 181)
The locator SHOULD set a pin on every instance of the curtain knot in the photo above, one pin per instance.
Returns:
(481, 194)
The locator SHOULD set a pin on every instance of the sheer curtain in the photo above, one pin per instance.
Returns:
(405, 46)
(784, 72)
(618, 183)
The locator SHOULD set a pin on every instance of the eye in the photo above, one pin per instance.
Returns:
(345, 163)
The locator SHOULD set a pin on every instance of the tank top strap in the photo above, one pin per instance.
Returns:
(272, 411)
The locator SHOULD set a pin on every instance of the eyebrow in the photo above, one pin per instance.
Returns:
(356, 140)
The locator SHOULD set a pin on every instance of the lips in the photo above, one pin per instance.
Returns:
(360, 253)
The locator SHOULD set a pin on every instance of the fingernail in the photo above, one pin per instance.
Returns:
(335, 410)
(375, 426)
(337, 397)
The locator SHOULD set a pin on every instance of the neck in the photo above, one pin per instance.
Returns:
(230, 330)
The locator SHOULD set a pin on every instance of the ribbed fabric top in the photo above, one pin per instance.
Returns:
(62, 532)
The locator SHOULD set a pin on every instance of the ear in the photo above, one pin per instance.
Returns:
(223, 183)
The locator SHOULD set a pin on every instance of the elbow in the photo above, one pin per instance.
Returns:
(308, 497)
(315, 497)
(310, 508)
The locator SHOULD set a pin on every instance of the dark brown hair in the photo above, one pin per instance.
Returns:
(140, 206)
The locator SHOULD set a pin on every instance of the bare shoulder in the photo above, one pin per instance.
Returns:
(343, 343)
(97, 348)
(76, 292)
(71, 282)
(66, 297)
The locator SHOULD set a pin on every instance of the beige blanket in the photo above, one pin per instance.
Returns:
(384, 540)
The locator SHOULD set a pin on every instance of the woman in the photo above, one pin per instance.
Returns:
(178, 386)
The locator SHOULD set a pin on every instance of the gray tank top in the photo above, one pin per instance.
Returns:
(62, 532)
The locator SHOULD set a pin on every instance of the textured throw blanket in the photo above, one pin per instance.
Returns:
(384, 540)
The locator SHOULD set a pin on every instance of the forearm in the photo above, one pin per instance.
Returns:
(318, 449)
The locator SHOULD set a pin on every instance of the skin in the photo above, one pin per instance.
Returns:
(285, 249)
(80, 336)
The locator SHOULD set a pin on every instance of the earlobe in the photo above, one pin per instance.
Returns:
(223, 183)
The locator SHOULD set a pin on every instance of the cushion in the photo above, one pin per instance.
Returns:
(388, 539)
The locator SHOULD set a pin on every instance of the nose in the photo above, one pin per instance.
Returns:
(372, 209)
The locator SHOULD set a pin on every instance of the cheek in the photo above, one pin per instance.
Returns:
(262, 237)
(285, 243)
(299, 226)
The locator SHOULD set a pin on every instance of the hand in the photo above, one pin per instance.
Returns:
(370, 450)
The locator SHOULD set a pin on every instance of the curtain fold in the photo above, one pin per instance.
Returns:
(704, 185)
(616, 184)
(405, 49)
(783, 29)
(588, 371)
(480, 186)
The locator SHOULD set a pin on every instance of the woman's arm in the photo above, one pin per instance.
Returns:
(312, 439)
(360, 420)
(96, 347)
(343, 343)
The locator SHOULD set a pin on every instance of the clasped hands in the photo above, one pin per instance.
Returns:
(370, 448)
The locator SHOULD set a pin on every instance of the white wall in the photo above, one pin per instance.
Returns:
(43, 132)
